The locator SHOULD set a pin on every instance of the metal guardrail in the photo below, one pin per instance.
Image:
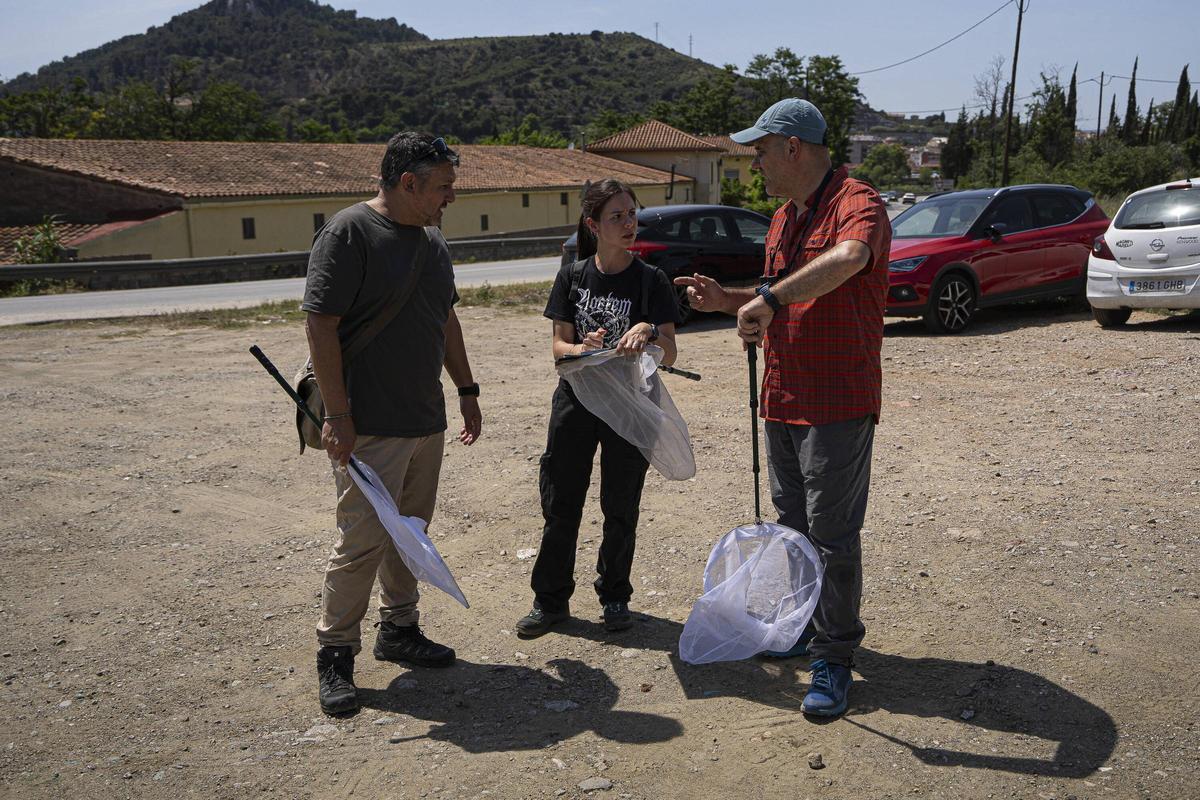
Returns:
(132, 270)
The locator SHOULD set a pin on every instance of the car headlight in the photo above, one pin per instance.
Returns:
(906, 264)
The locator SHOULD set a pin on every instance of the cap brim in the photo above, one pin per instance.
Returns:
(749, 135)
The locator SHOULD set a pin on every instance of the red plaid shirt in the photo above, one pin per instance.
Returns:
(822, 355)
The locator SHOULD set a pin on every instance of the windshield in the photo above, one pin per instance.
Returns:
(1168, 208)
(939, 216)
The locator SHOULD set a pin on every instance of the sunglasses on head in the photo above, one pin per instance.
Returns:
(437, 147)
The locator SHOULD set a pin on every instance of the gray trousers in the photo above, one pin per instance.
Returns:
(820, 476)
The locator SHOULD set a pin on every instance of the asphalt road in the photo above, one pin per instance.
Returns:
(203, 297)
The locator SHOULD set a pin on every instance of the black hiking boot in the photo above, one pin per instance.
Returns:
(406, 644)
(617, 617)
(335, 675)
(538, 621)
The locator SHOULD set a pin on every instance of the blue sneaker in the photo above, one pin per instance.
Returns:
(800, 648)
(828, 691)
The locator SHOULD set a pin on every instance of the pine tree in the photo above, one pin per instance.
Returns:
(1176, 130)
(1130, 131)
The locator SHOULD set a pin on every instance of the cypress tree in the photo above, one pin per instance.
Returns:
(1144, 137)
(1114, 123)
(1071, 101)
(956, 154)
(1129, 133)
(1176, 130)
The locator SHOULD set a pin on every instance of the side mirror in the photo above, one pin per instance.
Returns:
(996, 231)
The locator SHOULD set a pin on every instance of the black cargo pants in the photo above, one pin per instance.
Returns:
(566, 473)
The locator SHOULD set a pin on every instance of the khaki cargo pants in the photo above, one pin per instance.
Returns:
(409, 468)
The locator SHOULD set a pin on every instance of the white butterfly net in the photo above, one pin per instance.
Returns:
(408, 533)
(761, 586)
(626, 392)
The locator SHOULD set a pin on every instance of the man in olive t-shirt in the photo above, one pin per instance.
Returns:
(386, 405)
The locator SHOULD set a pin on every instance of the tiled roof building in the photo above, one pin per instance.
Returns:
(253, 197)
(244, 169)
(651, 136)
(658, 145)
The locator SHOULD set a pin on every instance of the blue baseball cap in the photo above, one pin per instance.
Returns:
(790, 117)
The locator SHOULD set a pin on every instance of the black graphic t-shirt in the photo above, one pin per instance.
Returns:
(612, 302)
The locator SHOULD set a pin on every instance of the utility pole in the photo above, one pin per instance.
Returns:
(689, 45)
(656, 33)
(1012, 94)
(1100, 106)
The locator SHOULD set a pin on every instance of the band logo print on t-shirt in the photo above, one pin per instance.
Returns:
(609, 312)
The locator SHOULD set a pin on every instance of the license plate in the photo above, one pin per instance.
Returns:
(1166, 286)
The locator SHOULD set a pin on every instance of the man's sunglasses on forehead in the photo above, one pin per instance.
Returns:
(437, 147)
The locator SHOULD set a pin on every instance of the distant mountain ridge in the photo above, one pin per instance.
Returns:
(308, 60)
(234, 40)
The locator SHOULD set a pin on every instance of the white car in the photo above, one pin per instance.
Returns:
(908, 198)
(1150, 255)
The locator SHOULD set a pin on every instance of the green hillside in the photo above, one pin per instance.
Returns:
(282, 49)
(309, 61)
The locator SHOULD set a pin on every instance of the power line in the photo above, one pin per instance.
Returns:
(1143, 80)
(1095, 79)
(943, 44)
(954, 108)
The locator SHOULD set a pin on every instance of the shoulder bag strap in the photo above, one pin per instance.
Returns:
(354, 346)
(649, 274)
(576, 279)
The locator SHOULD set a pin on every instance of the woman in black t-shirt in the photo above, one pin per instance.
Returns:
(608, 299)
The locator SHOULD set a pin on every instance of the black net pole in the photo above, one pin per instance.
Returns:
(273, 371)
(752, 359)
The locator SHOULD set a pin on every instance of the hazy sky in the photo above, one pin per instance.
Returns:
(1099, 34)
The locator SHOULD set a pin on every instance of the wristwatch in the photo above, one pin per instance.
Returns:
(469, 391)
(653, 337)
(765, 293)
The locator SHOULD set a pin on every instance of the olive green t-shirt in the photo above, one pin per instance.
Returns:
(358, 259)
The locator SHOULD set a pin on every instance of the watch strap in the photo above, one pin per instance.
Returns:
(764, 291)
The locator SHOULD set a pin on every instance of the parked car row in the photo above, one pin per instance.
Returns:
(957, 252)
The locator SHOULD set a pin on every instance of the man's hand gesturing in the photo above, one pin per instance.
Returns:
(704, 293)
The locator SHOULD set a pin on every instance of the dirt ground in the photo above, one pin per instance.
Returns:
(1030, 582)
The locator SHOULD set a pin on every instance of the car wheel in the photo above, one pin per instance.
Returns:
(686, 312)
(1111, 317)
(951, 304)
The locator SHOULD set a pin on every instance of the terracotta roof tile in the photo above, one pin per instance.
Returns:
(650, 135)
(70, 234)
(729, 145)
(238, 169)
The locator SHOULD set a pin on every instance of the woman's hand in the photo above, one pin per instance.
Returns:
(593, 340)
(635, 339)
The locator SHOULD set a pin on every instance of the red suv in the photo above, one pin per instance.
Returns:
(956, 252)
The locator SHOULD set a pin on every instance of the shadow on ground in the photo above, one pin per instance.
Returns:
(999, 698)
(537, 708)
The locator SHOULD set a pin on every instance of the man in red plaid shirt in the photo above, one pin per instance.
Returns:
(819, 317)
